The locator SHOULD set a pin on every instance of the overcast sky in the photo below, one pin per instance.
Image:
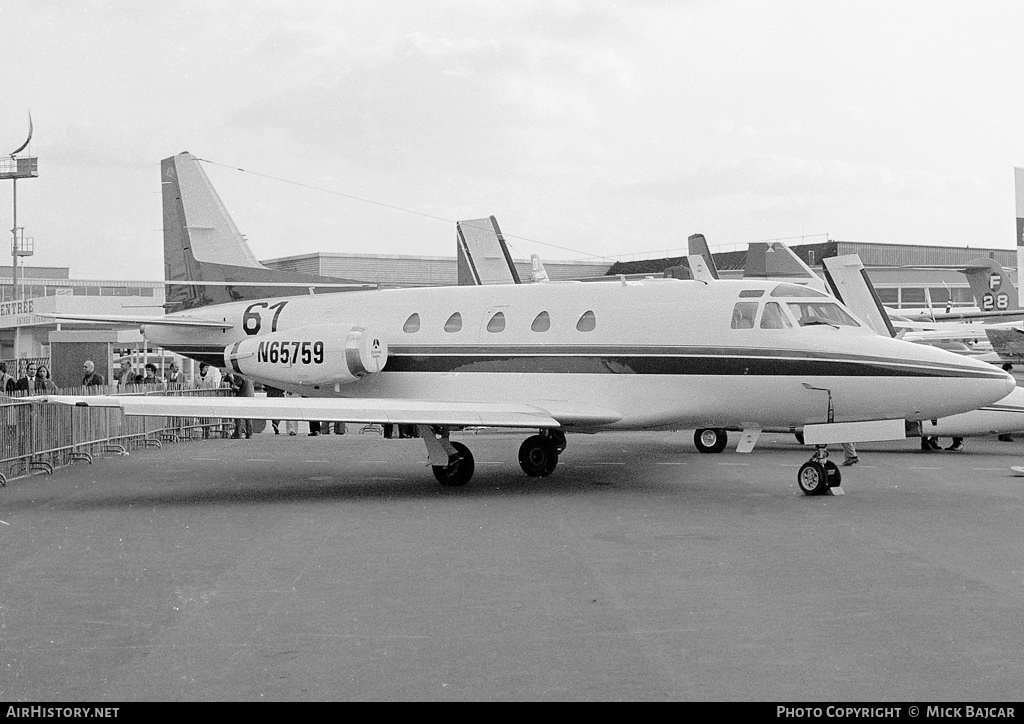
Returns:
(598, 128)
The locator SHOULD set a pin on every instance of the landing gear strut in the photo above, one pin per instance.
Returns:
(818, 475)
(451, 462)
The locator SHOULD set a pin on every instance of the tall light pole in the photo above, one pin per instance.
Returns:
(15, 168)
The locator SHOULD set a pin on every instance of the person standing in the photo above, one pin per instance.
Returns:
(28, 382)
(274, 392)
(851, 454)
(7, 383)
(242, 387)
(43, 384)
(174, 376)
(127, 375)
(92, 378)
(150, 378)
(209, 377)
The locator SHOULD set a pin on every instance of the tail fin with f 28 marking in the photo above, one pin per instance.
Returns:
(991, 286)
(204, 250)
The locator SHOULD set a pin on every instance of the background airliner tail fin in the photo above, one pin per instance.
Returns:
(698, 245)
(991, 285)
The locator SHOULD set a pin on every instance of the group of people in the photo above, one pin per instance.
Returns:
(128, 376)
(36, 380)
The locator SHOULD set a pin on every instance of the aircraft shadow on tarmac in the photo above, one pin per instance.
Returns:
(339, 487)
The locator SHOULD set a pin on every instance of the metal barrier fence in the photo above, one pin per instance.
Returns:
(41, 436)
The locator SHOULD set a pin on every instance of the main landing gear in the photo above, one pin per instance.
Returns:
(538, 455)
(452, 462)
(710, 439)
(819, 475)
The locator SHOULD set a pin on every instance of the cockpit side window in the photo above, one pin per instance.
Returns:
(743, 315)
(774, 318)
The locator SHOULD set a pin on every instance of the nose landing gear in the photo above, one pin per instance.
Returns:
(819, 475)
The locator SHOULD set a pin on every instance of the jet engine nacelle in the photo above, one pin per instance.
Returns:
(318, 355)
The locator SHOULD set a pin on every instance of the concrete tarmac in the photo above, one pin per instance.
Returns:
(336, 569)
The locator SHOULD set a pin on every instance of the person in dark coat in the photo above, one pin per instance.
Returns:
(92, 378)
(28, 382)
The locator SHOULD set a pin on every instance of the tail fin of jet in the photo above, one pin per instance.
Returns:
(538, 273)
(204, 250)
(698, 246)
(991, 285)
(849, 283)
(1018, 177)
(777, 261)
(483, 256)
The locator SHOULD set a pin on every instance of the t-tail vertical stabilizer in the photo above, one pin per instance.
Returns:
(849, 283)
(483, 256)
(202, 245)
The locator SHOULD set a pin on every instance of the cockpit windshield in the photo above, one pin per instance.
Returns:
(821, 312)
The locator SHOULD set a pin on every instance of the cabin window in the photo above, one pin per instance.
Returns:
(774, 318)
(412, 324)
(752, 293)
(821, 313)
(587, 322)
(541, 323)
(454, 323)
(743, 315)
(497, 323)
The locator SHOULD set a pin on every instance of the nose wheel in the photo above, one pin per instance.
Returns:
(818, 475)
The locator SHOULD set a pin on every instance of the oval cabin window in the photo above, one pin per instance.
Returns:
(497, 323)
(587, 322)
(412, 324)
(542, 323)
(454, 323)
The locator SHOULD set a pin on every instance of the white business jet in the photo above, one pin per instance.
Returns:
(565, 357)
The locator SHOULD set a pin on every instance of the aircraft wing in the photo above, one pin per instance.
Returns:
(139, 319)
(960, 316)
(1008, 343)
(544, 414)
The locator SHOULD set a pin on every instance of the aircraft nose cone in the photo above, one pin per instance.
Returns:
(1011, 382)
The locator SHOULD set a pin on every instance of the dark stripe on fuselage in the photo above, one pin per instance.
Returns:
(609, 359)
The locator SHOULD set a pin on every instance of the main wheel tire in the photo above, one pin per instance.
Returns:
(710, 439)
(812, 478)
(832, 474)
(538, 456)
(456, 473)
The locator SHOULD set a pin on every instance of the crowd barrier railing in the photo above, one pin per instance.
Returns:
(41, 436)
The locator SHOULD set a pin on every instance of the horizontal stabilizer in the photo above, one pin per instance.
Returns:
(1008, 343)
(139, 319)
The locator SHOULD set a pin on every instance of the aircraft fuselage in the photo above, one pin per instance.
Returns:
(661, 353)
